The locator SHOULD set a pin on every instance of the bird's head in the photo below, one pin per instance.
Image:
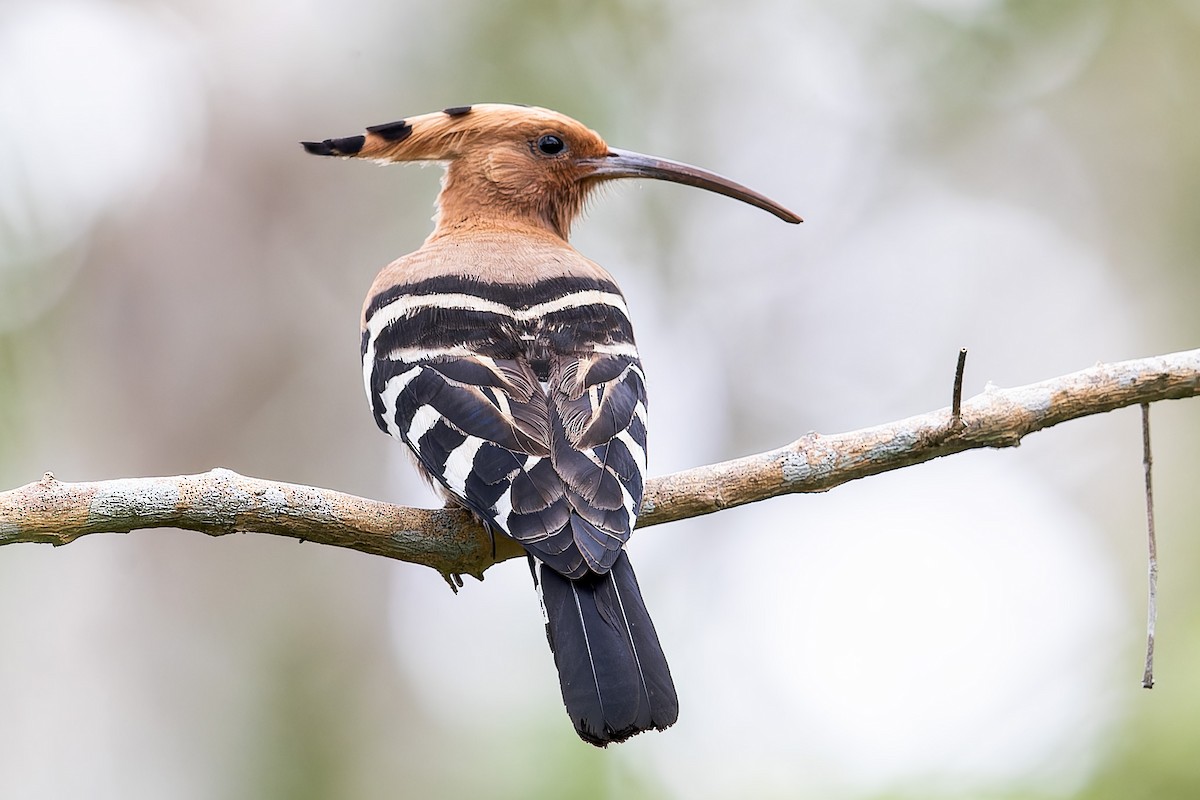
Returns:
(521, 164)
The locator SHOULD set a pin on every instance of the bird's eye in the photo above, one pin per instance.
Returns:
(550, 145)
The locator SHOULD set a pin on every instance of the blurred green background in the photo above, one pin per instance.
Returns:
(180, 288)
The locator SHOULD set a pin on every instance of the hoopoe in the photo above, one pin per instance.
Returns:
(506, 361)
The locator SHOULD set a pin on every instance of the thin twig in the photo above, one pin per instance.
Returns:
(956, 403)
(1152, 589)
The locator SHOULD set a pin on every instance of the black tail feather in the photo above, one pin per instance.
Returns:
(614, 676)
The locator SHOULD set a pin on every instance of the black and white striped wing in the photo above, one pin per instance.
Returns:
(598, 446)
(553, 456)
(479, 427)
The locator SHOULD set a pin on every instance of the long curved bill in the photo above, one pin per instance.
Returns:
(626, 164)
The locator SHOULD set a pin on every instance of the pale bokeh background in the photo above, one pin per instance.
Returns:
(180, 287)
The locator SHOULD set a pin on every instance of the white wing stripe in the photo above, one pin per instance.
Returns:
(590, 297)
(425, 418)
(635, 450)
(409, 303)
(459, 465)
(390, 392)
(503, 508)
(639, 411)
(628, 349)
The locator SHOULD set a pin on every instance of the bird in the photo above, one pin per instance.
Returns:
(505, 360)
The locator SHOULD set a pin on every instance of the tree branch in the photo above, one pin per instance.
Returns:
(448, 540)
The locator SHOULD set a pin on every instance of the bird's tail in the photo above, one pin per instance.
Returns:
(614, 676)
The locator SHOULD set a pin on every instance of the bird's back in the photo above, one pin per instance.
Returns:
(506, 361)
